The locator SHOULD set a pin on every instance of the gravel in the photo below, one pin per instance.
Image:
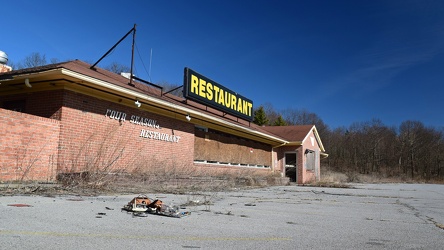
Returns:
(370, 216)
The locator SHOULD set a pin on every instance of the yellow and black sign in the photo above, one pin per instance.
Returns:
(208, 92)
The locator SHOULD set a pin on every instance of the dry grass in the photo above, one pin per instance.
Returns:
(167, 176)
(105, 164)
(202, 188)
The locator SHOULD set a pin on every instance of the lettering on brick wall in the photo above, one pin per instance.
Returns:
(121, 116)
(116, 115)
(159, 136)
(143, 121)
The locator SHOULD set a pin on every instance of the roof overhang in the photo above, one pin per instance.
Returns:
(78, 82)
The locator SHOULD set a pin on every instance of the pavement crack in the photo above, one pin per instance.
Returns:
(437, 224)
(427, 219)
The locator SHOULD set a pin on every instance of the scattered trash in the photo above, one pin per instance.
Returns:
(75, 199)
(108, 208)
(250, 204)
(140, 214)
(99, 215)
(141, 206)
(19, 205)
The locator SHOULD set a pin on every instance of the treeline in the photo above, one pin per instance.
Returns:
(410, 152)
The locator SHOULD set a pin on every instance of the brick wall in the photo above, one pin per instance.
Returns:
(309, 143)
(67, 132)
(45, 103)
(28, 147)
(87, 138)
(94, 139)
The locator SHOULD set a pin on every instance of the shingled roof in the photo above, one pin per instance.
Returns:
(291, 133)
(85, 69)
(295, 134)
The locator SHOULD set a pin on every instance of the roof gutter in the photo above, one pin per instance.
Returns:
(280, 145)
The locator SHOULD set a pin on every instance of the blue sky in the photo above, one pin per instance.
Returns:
(346, 61)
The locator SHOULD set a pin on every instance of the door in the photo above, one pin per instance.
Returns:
(291, 166)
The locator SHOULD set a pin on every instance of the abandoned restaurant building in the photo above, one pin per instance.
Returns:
(72, 117)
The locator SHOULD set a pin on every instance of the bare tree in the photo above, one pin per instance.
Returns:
(54, 60)
(33, 60)
(117, 68)
(169, 86)
(413, 151)
(303, 117)
(271, 113)
(410, 132)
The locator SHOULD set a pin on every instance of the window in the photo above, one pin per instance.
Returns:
(310, 158)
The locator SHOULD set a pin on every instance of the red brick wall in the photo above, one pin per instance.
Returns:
(309, 176)
(28, 147)
(45, 104)
(91, 139)
(86, 138)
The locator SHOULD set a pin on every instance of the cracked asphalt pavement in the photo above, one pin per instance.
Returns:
(366, 216)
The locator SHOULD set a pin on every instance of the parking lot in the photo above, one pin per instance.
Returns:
(370, 216)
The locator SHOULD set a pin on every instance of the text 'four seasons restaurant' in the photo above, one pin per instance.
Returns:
(72, 117)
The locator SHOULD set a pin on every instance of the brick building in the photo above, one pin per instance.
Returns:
(71, 117)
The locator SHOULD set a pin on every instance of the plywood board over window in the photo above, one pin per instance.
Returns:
(215, 146)
(310, 160)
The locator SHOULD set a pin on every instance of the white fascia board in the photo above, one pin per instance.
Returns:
(163, 103)
(318, 139)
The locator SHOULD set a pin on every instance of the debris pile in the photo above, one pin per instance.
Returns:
(141, 206)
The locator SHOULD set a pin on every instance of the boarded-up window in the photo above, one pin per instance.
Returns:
(310, 160)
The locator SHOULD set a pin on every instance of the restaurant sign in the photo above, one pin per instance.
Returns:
(208, 92)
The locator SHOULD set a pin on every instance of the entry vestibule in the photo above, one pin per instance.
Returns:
(291, 166)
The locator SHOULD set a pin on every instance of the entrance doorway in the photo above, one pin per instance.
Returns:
(291, 166)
